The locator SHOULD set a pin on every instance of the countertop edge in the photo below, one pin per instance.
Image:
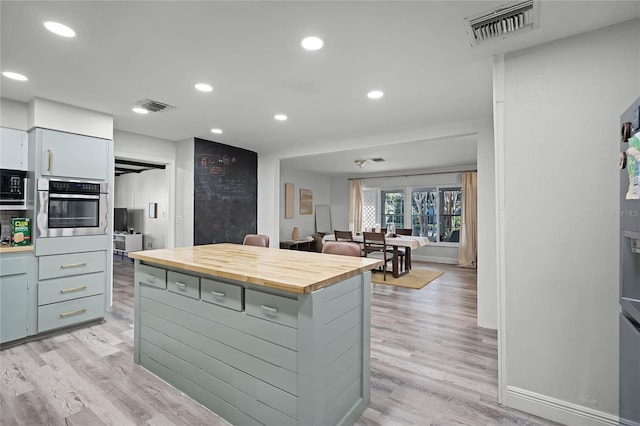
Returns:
(15, 249)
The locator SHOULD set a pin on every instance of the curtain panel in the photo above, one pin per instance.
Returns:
(468, 248)
(355, 205)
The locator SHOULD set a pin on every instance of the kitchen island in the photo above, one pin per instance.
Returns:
(258, 335)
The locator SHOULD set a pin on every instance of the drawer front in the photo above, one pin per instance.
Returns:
(271, 307)
(12, 265)
(150, 275)
(64, 265)
(184, 284)
(62, 314)
(223, 294)
(67, 288)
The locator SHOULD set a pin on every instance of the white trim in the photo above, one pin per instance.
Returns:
(498, 129)
(435, 259)
(556, 409)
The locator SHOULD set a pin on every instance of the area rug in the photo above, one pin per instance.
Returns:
(416, 278)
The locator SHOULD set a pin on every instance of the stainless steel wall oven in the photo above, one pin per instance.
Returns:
(71, 207)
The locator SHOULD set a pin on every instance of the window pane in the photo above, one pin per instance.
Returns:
(450, 214)
(423, 213)
(393, 208)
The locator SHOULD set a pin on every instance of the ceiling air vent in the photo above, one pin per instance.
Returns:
(154, 106)
(502, 22)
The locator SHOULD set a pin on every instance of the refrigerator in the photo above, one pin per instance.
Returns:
(629, 409)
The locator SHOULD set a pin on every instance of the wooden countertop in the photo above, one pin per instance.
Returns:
(289, 270)
(17, 249)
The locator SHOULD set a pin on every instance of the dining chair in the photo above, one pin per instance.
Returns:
(343, 235)
(344, 248)
(404, 231)
(375, 243)
(257, 240)
(407, 259)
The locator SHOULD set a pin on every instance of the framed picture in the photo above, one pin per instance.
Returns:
(306, 201)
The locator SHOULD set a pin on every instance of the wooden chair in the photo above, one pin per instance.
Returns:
(343, 248)
(404, 231)
(343, 235)
(257, 240)
(375, 243)
(407, 259)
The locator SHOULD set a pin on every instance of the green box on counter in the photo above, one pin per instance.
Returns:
(20, 231)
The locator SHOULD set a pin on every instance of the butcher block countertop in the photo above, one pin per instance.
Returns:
(288, 270)
(16, 249)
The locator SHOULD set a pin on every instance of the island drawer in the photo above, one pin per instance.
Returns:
(150, 275)
(62, 314)
(184, 284)
(271, 307)
(223, 294)
(13, 265)
(64, 265)
(67, 288)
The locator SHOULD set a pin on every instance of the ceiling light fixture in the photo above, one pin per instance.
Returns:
(362, 163)
(312, 43)
(216, 131)
(14, 76)
(203, 87)
(139, 110)
(280, 117)
(59, 29)
(375, 94)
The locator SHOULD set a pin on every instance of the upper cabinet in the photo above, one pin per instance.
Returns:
(69, 155)
(13, 149)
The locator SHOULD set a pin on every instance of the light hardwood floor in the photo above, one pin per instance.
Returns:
(430, 364)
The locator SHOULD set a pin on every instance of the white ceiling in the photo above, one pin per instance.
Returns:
(416, 52)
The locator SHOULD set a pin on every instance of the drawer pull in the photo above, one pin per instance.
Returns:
(48, 160)
(183, 286)
(151, 279)
(73, 265)
(269, 310)
(76, 312)
(217, 293)
(68, 290)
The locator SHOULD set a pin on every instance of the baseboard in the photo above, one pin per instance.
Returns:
(555, 409)
(434, 259)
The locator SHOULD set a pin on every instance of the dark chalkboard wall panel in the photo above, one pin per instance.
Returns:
(225, 193)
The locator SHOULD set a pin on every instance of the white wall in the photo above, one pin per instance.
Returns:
(487, 274)
(562, 106)
(317, 183)
(269, 197)
(13, 114)
(185, 152)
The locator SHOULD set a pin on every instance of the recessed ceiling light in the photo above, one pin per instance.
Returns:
(14, 76)
(139, 110)
(280, 117)
(60, 29)
(375, 94)
(216, 131)
(203, 87)
(312, 43)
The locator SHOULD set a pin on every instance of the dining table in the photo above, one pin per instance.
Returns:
(408, 242)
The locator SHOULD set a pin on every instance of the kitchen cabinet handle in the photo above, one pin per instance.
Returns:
(217, 293)
(76, 312)
(151, 279)
(67, 290)
(48, 160)
(269, 310)
(73, 265)
(181, 285)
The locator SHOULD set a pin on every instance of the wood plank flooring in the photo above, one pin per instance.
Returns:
(430, 364)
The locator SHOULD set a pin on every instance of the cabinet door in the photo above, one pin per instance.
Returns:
(13, 149)
(75, 156)
(13, 307)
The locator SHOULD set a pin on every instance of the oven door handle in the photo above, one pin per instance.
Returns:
(75, 196)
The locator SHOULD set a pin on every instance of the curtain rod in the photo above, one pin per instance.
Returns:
(414, 174)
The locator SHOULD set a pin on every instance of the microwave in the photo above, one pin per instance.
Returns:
(13, 192)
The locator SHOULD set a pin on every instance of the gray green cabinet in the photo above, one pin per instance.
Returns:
(61, 154)
(256, 355)
(17, 296)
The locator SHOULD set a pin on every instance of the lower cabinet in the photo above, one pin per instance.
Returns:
(71, 289)
(17, 281)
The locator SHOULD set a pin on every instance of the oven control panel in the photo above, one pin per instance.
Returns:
(67, 187)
